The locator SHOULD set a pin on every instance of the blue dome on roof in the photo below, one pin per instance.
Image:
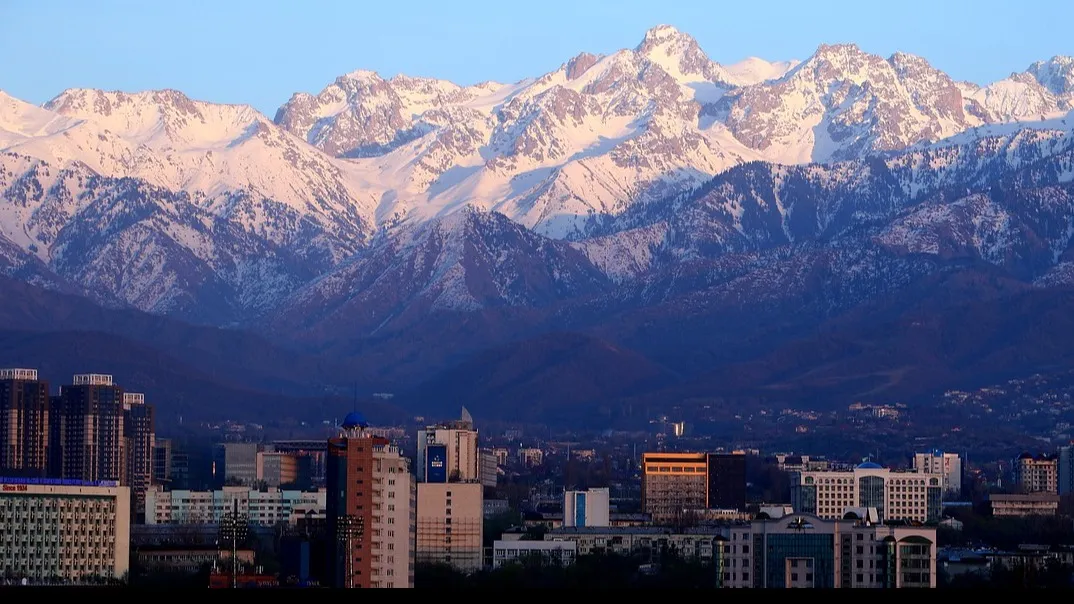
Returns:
(870, 466)
(355, 420)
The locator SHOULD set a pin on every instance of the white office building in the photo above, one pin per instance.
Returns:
(587, 508)
(947, 465)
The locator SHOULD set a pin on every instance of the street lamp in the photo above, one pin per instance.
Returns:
(233, 528)
(349, 528)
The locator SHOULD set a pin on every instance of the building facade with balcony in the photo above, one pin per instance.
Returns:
(66, 530)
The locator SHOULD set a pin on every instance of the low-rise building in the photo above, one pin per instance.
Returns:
(800, 550)
(190, 560)
(64, 530)
(1024, 504)
(496, 507)
(796, 550)
(701, 543)
(265, 508)
(548, 552)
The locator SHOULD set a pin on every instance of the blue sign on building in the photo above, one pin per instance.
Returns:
(436, 463)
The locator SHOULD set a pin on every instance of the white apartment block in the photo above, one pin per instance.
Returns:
(264, 508)
(450, 524)
(587, 508)
(947, 465)
(392, 534)
(895, 495)
(550, 552)
(68, 532)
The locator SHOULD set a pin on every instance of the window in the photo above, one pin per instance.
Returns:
(794, 576)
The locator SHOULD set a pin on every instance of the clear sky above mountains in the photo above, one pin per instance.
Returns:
(260, 52)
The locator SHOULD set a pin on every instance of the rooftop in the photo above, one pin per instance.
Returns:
(57, 482)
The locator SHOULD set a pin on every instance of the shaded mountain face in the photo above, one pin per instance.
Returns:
(673, 215)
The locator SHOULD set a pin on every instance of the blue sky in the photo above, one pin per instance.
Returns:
(240, 51)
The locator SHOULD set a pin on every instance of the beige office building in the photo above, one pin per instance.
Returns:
(1037, 474)
(804, 551)
(895, 495)
(1024, 504)
(459, 437)
(673, 485)
(450, 524)
(72, 533)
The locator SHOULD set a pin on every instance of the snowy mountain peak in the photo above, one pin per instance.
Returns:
(580, 64)
(660, 35)
(754, 70)
(361, 75)
(1055, 74)
(159, 118)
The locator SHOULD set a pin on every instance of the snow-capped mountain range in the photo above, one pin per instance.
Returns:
(649, 177)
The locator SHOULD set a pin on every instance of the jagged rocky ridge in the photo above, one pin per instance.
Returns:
(644, 193)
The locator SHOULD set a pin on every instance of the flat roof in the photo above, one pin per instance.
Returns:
(58, 482)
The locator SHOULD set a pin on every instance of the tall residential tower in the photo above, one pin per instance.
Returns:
(24, 423)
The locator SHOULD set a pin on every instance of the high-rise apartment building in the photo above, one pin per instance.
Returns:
(727, 481)
(1037, 473)
(368, 510)
(275, 469)
(895, 495)
(591, 507)
(139, 434)
(1065, 467)
(674, 485)
(235, 464)
(449, 519)
(86, 430)
(489, 468)
(947, 465)
(459, 439)
(162, 461)
(310, 454)
(24, 423)
(77, 531)
(450, 524)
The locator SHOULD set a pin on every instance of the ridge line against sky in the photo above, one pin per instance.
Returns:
(261, 52)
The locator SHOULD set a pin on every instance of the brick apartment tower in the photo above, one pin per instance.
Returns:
(368, 482)
(24, 424)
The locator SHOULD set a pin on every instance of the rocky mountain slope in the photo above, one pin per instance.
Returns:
(667, 212)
